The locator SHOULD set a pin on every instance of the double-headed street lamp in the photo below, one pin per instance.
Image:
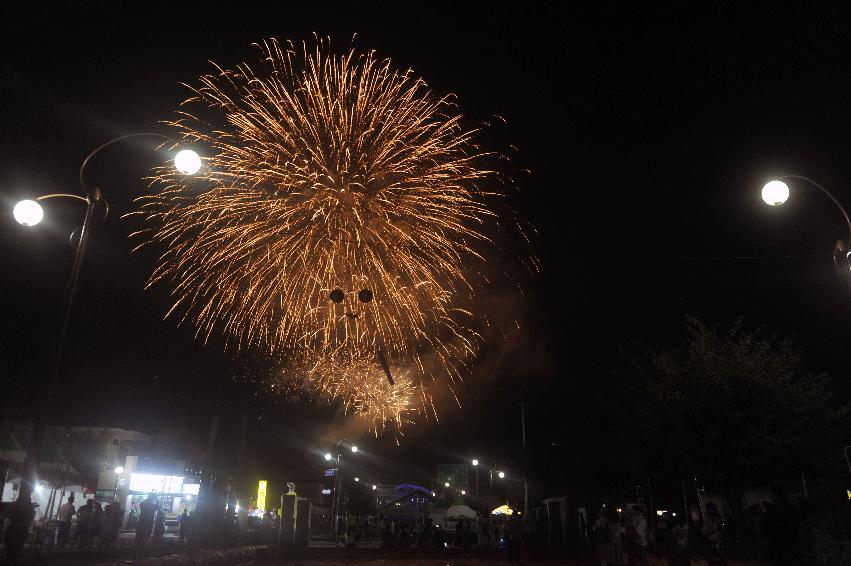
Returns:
(776, 192)
(338, 483)
(30, 213)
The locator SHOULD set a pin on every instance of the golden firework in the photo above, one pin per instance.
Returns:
(324, 172)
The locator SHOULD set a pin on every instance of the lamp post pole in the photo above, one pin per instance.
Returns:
(39, 428)
(22, 513)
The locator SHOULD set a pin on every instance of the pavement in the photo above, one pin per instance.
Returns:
(451, 557)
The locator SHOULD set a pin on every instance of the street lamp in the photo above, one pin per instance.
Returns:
(118, 470)
(335, 502)
(776, 192)
(501, 475)
(476, 466)
(29, 213)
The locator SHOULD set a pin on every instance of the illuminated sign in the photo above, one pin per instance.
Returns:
(330, 472)
(156, 482)
(261, 494)
(191, 488)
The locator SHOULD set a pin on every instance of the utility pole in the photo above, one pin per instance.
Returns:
(525, 478)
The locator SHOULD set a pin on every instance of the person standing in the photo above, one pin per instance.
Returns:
(713, 530)
(183, 523)
(603, 539)
(63, 520)
(84, 519)
(95, 523)
(106, 526)
(640, 527)
(514, 534)
(680, 556)
(147, 511)
(619, 557)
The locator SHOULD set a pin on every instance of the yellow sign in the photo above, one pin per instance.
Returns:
(261, 495)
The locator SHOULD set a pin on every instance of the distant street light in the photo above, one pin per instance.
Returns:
(446, 484)
(501, 475)
(374, 487)
(338, 482)
(119, 470)
(29, 213)
(357, 479)
(463, 492)
(475, 462)
(776, 192)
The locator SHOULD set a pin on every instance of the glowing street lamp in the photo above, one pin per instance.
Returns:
(28, 213)
(776, 192)
(501, 475)
(357, 479)
(328, 456)
(446, 484)
(187, 162)
(354, 448)
(475, 462)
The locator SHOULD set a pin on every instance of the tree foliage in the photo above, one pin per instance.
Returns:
(734, 401)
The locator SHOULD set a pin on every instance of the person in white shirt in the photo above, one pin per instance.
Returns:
(63, 521)
(640, 526)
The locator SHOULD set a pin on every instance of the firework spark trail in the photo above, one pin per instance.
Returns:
(326, 171)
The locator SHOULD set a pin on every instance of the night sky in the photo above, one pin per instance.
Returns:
(648, 136)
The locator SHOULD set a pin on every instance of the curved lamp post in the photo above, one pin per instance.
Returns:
(776, 192)
(30, 213)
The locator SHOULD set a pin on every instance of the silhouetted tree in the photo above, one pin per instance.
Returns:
(734, 402)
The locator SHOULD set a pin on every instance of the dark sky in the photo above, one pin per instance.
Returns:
(648, 136)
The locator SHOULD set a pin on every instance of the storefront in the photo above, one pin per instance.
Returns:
(173, 495)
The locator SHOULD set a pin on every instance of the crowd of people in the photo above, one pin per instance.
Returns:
(778, 531)
(96, 525)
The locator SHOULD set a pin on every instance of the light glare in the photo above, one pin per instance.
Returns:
(328, 456)
(475, 462)
(28, 213)
(775, 192)
(354, 448)
(187, 162)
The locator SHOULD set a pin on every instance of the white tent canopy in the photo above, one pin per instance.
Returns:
(460, 511)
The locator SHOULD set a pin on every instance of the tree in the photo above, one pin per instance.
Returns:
(733, 402)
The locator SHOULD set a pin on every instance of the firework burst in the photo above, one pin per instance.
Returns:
(327, 172)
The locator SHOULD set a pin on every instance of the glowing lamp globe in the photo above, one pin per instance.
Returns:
(28, 212)
(501, 475)
(187, 162)
(775, 193)
(328, 456)
(354, 448)
(119, 470)
(475, 462)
